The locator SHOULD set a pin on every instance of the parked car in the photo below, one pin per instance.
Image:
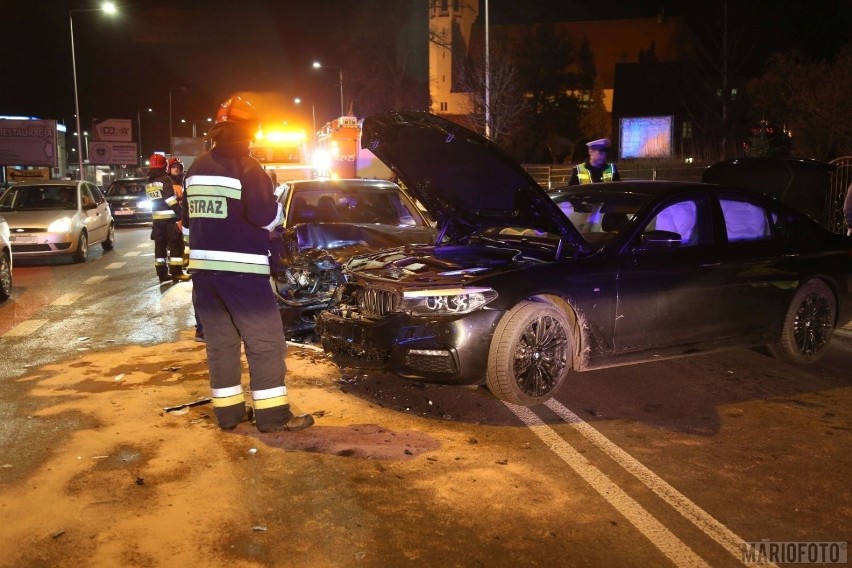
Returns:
(328, 221)
(128, 201)
(57, 217)
(5, 261)
(521, 289)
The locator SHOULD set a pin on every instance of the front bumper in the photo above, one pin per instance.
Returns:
(26, 245)
(438, 350)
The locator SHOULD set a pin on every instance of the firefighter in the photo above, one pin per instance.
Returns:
(595, 169)
(166, 212)
(230, 212)
(175, 169)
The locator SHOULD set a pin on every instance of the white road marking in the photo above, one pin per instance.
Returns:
(692, 512)
(95, 279)
(114, 265)
(672, 547)
(143, 245)
(66, 299)
(25, 328)
(131, 253)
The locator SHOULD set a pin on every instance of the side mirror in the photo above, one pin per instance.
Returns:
(659, 240)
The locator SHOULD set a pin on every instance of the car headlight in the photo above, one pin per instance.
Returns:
(145, 204)
(60, 225)
(447, 302)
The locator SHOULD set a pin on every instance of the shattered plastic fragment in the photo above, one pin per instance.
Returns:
(259, 528)
(252, 451)
(178, 411)
(170, 409)
(119, 377)
(81, 339)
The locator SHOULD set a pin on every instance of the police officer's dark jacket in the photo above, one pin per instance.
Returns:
(161, 194)
(229, 209)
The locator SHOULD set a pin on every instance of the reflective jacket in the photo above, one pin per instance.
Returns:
(161, 194)
(229, 211)
(585, 175)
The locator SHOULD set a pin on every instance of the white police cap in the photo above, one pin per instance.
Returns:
(601, 143)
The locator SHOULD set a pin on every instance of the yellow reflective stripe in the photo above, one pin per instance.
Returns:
(171, 201)
(221, 402)
(270, 402)
(222, 181)
(169, 214)
(227, 266)
(176, 261)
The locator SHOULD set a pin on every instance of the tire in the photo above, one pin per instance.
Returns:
(109, 243)
(808, 325)
(530, 355)
(5, 276)
(82, 252)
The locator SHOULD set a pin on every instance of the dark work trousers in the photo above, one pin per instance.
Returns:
(235, 309)
(168, 249)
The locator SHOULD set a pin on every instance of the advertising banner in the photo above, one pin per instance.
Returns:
(106, 153)
(28, 143)
(113, 129)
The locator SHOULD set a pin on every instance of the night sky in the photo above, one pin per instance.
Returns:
(215, 48)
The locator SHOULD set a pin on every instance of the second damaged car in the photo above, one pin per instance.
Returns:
(326, 222)
(521, 290)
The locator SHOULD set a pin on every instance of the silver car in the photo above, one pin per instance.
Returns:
(5, 261)
(57, 217)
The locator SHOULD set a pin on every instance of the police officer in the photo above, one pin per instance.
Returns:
(230, 211)
(595, 169)
(166, 212)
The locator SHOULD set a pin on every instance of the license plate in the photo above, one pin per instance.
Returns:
(122, 212)
(24, 240)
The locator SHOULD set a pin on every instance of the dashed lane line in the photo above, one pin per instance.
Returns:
(95, 280)
(131, 253)
(114, 265)
(25, 328)
(66, 299)
(671, 546)
(692, 512)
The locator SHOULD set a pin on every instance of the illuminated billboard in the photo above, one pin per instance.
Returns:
(645, 137)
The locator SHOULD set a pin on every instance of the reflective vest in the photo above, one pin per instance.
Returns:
(229, 209)
(585, 176)
(161, 194)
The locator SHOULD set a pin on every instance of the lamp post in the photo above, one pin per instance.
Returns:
(106, 8)
(139, 130)
(298, 101)
(195, 122)
(170, 114)
(318, 65)
(86, 143)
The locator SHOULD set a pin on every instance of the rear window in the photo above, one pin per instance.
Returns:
(126, 188)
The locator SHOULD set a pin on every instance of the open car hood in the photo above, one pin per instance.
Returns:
(463, 179)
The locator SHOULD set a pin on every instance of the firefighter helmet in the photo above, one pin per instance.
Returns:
(241, 111)
(157, 161)
(175, 162)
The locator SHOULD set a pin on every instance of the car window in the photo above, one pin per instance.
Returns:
(43, 197)
(597, 216)
(126, 188)
(95, 193)
(340, 206)
(86, 198)
(745, 221)
(682, 218)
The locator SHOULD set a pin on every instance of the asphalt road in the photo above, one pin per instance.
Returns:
(669, 463)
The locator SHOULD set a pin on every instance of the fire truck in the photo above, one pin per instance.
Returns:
(339, 153)
(284, 155)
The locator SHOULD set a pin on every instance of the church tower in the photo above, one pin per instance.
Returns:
(450, 24)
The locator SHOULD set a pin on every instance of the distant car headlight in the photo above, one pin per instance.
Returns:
(60, 225)
(447, 302)
(145, 204)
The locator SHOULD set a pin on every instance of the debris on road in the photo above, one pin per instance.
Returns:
(173, 409)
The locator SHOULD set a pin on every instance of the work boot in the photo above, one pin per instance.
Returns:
(247, 417)
(182, 277)
(199, 336)
(292, 425)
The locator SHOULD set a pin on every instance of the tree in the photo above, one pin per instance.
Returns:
(811, 99)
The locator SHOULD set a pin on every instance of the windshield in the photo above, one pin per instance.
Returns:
(342, 205)
(599, 216)
(120, 188)
(39, 197)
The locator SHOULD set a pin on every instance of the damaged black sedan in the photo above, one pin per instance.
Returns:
(327, 222)
(520, 290)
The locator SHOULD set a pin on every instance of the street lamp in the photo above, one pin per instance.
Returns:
(139, 131)
(298, 101)
(318, 65)
(106, 8)
(195, 122)
(170, 115)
